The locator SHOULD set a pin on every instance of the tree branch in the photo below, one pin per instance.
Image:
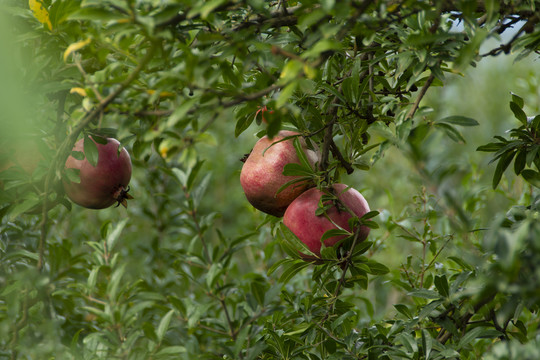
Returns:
(422, 93)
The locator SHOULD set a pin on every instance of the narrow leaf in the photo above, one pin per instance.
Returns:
(334, 232)
(300, 153)
(452, 132)
(518, 112)
(164, 325)
(503, 163)
(90, 151)
(242, 124)
(76, 47)
(518, 100)
(40, 12)
(459, 120)
(292, 182)
(520, 161)
(294, 169)
(491, 147)
(532, 177)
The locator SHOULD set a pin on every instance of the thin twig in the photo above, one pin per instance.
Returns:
(422, 93)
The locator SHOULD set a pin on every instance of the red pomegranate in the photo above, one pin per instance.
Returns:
(301, 219)
(106, 183)
(262, 173)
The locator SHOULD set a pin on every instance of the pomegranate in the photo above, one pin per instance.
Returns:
(301, 219)
(262, 173)
(106, 183)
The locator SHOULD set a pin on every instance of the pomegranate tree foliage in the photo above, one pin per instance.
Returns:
(190, 270)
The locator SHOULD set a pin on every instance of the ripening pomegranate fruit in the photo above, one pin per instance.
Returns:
(262, 173)
(301, 219)
(106, 183)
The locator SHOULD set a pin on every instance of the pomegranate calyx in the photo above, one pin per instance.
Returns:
(123, 196)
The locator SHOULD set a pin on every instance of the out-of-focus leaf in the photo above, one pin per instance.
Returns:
(40, 12)
(452, 132)
(76, 47)
(164, 325)
(532, 177)
(459, 120)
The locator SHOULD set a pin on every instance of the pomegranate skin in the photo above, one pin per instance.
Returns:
(300, 217)
(106, 183)
(262, 173)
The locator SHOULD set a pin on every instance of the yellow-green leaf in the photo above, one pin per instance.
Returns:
(40, 12)
(75, 47)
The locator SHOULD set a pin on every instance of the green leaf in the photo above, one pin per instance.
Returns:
(277, 265)
(361, 248)
(78, 155)
(441, 283)
(205, 8)
(520, 161)
(341, 319)
(518, 113)
(105, 228)
(294, 169)
(376, 268)
(180, 112)
(428, 309)
(286, 93)
(116, 281)
(425, 294)
(291, 269)
(292, 182)
(475, 333)
(164, 325)
(98, 138)
(301, 154)
(90, 150)
(92, 278)
(293, 240)
(95, 14)
(503, 163)
(243, 124)
(290, 72)
(73, 175)
(408, 341)
(30, 201)
(216, 269)
(535, 123)
(491, 147)
(115, 234)
(171, 350)
(427, 343)
(403, 309)
(452, 132)
(334, 232)
(517, 100)
(531, 154)
(532, 177)
(194, 171)
(459, 120)
(322, 46)
(369, 215)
